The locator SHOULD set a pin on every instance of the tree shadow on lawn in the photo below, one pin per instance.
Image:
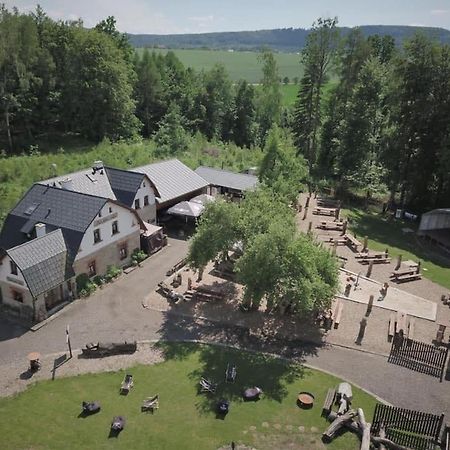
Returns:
(253, 367)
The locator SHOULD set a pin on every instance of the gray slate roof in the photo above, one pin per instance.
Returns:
(172, 179)
(124, 184)
(56, 208)
(86, 182)
(219, 177)
(42, 262)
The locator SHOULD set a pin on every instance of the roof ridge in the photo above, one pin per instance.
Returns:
(37, 239)
(123, 170)
(228, 171)
(70, 191)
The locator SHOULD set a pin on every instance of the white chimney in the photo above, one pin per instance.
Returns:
(40, 229)
(67, 184)
(98, 165)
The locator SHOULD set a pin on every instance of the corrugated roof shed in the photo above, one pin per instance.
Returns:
(225, 178)
(172, 179)
(42, 261)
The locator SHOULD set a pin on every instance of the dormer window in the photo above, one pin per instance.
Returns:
(13, 266)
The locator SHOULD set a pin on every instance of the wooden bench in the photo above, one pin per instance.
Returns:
(329, 401)
(440, 334)
(401, 323)
(405, 278)
(375, 261)
(332, 240)
(334, 226)
(411, 327)
(337, 313)
(370, 256)
(391, 330)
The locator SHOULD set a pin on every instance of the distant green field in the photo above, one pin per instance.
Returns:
(239, 65)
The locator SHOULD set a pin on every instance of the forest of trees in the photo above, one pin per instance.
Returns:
(382, 125)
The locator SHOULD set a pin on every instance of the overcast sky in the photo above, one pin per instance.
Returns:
(200, 16)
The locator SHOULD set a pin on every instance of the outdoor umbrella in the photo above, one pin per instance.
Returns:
(203, 199)
(186, 209)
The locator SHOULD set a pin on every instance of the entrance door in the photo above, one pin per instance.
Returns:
(52, 298)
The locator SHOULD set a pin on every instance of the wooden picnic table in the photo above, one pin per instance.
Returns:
(399, 273)
(352, 241)
(370, 256)
(410, 263)
(324, 211)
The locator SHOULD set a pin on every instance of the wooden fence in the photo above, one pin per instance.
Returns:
(419, 356)
(414, 429)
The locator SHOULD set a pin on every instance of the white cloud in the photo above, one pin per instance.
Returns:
(440, 12)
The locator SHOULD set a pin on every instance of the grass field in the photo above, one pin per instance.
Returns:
(17, 173)
(384, 233)
(46, 416)
(240, 65)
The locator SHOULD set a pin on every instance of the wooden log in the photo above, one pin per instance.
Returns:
(337, 424)
(365, 428)
(382, 436)
(353, 426)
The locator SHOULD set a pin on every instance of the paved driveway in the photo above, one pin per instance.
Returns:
(116, 313)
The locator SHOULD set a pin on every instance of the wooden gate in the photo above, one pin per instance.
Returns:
(414, 429)
(419, 356)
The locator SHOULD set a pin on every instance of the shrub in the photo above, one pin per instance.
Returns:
(138, 256)
(82, 281)
(99, 280)
(112, 272)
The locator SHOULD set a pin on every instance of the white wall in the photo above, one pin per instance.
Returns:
(8, 281)
(146, 213)
(127, 221)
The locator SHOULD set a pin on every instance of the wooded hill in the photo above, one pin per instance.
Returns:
(283, 40)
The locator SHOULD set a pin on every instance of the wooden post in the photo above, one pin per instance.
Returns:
(336, 213)
(334, 248)
(306, 213)
(189, 283)
(344, 228)
(399, 262)
(418, 266)
(366, 239)
(68, 341)
(369, 306)
(369, 269)
(309, 227)
(307, 201)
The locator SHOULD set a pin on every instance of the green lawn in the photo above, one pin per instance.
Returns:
(384, 233)
(45, 416)
(240, 65)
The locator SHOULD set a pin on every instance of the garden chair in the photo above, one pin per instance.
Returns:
(150, 404)
(127, 384)
(230, 373)
(207, 385)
